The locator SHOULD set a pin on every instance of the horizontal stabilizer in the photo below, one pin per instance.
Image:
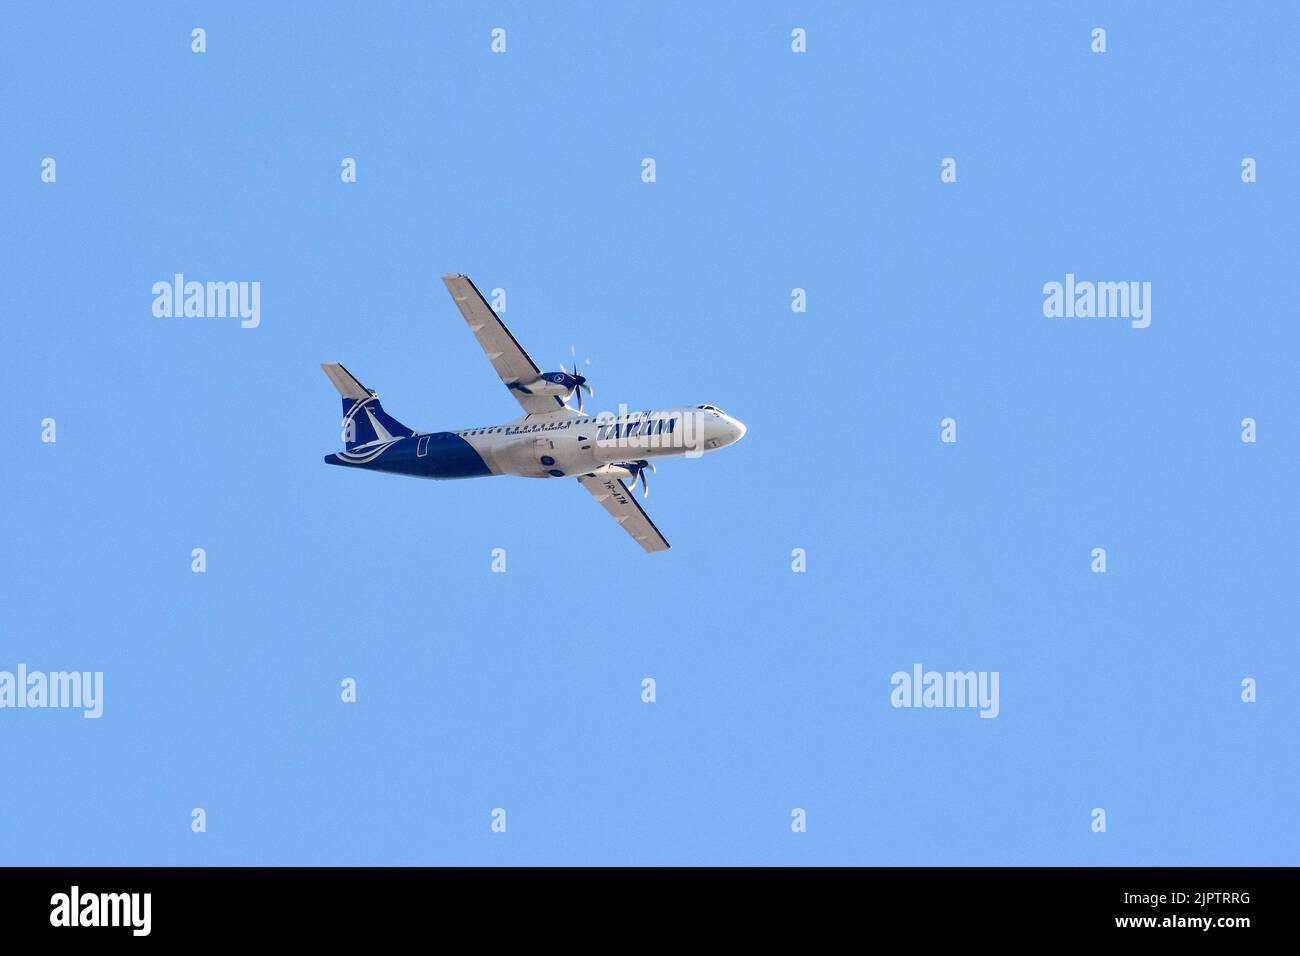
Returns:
(348, 386)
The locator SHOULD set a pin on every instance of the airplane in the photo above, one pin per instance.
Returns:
(550, 440)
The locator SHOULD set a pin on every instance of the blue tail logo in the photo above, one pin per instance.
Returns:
(368, 430)
(365, 423)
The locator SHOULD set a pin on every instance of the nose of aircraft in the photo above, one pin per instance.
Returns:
(737, 429)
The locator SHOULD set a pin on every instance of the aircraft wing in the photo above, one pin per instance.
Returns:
(618, 501)
(506, 355)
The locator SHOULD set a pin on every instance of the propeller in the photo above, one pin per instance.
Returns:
(638, 469)
(580, 381)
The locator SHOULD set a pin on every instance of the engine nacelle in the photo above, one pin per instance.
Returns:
(623, 469)
(549, 383)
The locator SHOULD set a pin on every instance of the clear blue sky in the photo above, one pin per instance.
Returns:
(775, 170)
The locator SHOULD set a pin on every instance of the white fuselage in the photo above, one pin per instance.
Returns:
(567, 443)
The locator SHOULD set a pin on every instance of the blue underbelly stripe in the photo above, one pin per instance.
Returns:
(446, 456)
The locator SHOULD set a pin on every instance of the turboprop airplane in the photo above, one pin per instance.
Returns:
(550, 440)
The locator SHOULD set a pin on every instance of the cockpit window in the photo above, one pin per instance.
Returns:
(711, 408)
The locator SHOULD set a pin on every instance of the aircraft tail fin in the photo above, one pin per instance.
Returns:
(365, 423)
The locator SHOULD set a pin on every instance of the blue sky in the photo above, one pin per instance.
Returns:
(522, 690)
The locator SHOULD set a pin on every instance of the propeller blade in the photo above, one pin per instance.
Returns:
(580, 384)
(641, 467)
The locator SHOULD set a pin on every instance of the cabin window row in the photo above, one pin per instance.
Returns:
(659, 426)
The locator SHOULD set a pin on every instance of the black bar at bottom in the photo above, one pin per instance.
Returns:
(89, 905)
